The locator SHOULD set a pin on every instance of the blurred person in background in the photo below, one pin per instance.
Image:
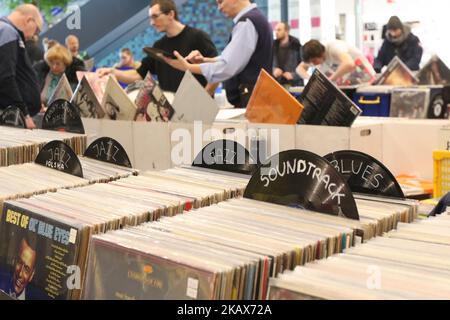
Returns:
(249, 51)
(126, 63)
(338, 60)
(182, 38)
(399, 41)
(58, 61)
(287, 56)
(18, 83)
(73, 44)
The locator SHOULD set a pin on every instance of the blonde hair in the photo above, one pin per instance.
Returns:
(59, 52)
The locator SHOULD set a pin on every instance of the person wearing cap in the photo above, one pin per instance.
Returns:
(399, 41)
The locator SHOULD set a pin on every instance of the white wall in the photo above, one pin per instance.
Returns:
(434, 17)
(347, 7)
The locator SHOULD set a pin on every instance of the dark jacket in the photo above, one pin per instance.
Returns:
(18, 83)
(407, 48)
(240, 87)
(42, 70)
(35, 52)
(293, 60)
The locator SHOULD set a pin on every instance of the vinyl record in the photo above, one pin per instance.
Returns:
(13, 117)
(59, 156)
(61, 115)
(302, 179)
(365, 174)
(438, 109)
(226, 155)
(108, 150)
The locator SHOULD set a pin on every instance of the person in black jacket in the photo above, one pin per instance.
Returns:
(58, 61)
(399, 41)
(18, 83)
(287, 56)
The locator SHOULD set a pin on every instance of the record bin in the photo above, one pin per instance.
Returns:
(374, 101)
(441, 179)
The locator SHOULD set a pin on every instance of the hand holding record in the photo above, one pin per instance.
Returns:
(159, 54)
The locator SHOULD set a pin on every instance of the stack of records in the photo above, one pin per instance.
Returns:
(54, 229)
(30, 179)
(225, 251)
(409, 263)
(19, 146)
(383, 214)
(100, 172)
(205, 186)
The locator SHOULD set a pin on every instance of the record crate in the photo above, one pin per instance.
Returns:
(441, 179)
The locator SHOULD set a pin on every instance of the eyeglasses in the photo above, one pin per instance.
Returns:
(156, 15)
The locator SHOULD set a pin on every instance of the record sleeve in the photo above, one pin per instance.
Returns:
(63, 91)
(158, 54)
(271, 103)
(397, 74)
(325, 104)
(116, 103)
(434, 72)
(151, 102)
(193, 103)
(86, 101)
(36, 254)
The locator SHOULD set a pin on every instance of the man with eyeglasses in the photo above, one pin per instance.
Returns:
(249, 51)
(399, 41)
(18, 82)
(184, 39)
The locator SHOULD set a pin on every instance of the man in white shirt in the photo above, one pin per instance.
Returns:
(341, 62)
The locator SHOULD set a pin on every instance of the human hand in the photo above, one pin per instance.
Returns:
(195, 57)
(180, 63)
(30, 123)
(277, 72)
(288, 76)
(104, 72)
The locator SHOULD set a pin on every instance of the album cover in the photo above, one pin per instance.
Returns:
(86, 101)
(38, 254)
(152, 103)
(271, 103)
(63, 91)
(397, 74)
(192, 102)
(116, 103)
(434, 72)
(325, 104)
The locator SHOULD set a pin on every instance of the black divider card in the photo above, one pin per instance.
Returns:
(61, 115)
(302, 179)
(12, 117)
(365, 174)
(325, 104)
(59, 156)
(38, 255)
(226, 155)
(108, 150)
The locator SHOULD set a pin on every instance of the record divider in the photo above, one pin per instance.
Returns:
(57, 155)
(62, 115)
